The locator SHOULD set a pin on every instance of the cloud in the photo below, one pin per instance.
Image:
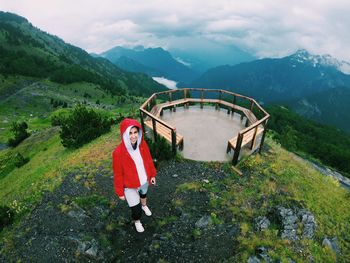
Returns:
(265, 28)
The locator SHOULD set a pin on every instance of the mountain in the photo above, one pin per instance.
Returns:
(204, 56)
(329, 107)
(132, 65)
(269, 80)
(27, 51)
(155, 62)
(62, 206)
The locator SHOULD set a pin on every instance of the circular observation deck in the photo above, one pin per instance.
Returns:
(206, 124)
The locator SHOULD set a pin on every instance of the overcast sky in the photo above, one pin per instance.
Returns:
(264, 28)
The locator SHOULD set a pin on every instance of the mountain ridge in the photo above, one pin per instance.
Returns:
(28, 51)
(327, 107)
(154, 58)
(274, 79)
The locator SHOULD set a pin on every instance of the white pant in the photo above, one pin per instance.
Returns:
(132, 195)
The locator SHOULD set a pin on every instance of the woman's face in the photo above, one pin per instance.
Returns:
(134, 135)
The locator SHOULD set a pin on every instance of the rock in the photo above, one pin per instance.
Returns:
(206, 181)
(203, 222)
(88, 247)
(174, 175)
(233, 231)
(185, 217)
(253, 259)
(262, 254)
(332, 243)
(288, 223)
(261, 223)
(78, 213)
(309, 223)
(92, 251)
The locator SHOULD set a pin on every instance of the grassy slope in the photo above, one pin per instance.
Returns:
(278, 177)
(274, 178)
(32, 103)
(49, 162)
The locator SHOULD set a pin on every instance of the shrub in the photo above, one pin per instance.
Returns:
(82, 126)
(20, 131)
(160, 150)
(58, 117)
(20, 160)
(6, 216)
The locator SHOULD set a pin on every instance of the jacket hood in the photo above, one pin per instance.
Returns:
(127, 123)
(125, 127)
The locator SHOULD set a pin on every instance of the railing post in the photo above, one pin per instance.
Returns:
(202, 96)
(142, 122)
(173, 141)
(170, 97)
(154, 130)
(247, 122)
(234, 104)
(251, 105)
(254, 137)
(185, 93)
(237, 149)
(263, 136)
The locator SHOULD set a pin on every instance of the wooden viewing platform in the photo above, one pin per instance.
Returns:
(151, 112)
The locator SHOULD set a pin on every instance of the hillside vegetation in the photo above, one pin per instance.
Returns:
(275, 178)
(307, 138)
(59, 203)
(28, 51)
(328, 107)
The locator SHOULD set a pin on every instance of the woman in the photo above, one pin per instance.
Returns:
(133, 170)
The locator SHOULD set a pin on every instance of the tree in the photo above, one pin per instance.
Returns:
(20, 131)
(82, 126)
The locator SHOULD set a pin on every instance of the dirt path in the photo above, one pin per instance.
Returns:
(84, 221)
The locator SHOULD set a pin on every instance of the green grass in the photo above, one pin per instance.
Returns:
(278, 177)
(49, 163)
(32, 102)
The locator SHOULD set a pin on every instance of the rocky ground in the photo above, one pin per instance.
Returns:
(84, 221)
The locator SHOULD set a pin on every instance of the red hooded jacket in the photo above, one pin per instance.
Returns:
(124, 168)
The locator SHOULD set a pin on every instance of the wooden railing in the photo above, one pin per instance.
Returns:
(232, 101)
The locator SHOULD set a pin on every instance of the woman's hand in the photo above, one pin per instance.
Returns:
(122, 198)
(153, 180)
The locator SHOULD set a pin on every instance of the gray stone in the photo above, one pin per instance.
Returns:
(233, 230)
(332, 243)
(92, 251)
(262, 254)
(288, 223)
(309, 223)
(203, 222)
(261, 223)
(88, 247)
(78, 213)
(253, 259)
(175, 175)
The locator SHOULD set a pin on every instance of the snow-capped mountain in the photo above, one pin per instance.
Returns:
(303, 56)
(270, 80)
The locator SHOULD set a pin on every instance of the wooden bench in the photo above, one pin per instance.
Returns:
(247, 137)
(250, 116)
(155, 110)
(165, 132)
